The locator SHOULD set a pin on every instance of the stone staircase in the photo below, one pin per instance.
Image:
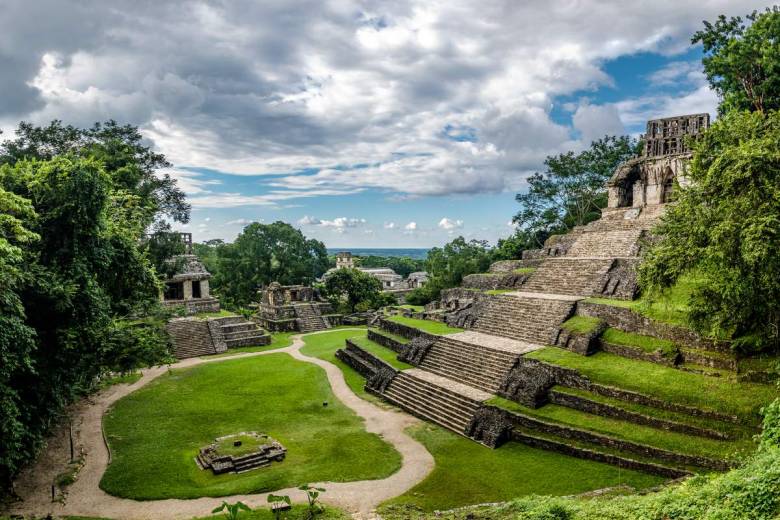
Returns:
(607, 244)
(308, 318)
(474, 365)
(525, 318)
(569, 275)
(238, 332)
(434, 399)
(190, 337)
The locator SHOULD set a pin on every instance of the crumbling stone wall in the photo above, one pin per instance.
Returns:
(626, 319)
(582, 343)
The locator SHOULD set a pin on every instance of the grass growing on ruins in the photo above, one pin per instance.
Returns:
(154, 433)
(631, 339)
(429, 326)
(499, 291)
(710, 393)
(581, 324)
(382, 352)
(469, 473)
(415, 308)
(736, 431)
(671, 441)
(669, 307)
(325, 345)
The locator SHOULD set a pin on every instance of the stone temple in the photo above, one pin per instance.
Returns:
(649, 180)
(189, 286)
(294, 307)
(456, 375)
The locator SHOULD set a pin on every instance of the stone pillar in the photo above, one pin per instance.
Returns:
(187, 289)
(204, 288)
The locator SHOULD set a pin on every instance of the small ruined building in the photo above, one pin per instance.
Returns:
(240, 452)
(188, 287)
(392, 282)
(649, 179)
(193, 336)
(294, 308)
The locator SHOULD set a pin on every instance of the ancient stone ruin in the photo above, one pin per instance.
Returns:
(519, 308)
(649, 179)
(240, 452)
(294, 308)
(188, 288)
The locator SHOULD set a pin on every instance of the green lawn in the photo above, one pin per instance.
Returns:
(672, 441)
(324, 346)
(581, 324)
(469, 473)
(155, 432)
(711, 393)
(429, 326)
(278, 340)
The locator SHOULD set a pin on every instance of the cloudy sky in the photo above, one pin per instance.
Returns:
(371, 124)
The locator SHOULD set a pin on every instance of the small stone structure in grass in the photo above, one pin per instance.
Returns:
(240, 452)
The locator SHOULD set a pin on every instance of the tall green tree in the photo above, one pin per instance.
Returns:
(73, 205)
(742, 60)
(446, 267)
(572, 189)
(355, 290)
(725, 227)
(265, 253)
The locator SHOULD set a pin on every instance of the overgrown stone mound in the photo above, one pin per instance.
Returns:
(240, 452)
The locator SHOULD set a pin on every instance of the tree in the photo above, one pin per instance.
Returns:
(265, 253)
(742, 61)
(354, 288)
(725, 227)
(73, 205)
(448, 265)
(572, 190)
(138, 188)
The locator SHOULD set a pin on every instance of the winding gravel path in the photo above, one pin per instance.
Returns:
(85, 498)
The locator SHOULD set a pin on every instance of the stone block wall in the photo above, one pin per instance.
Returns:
(190, 337)
(626, 319)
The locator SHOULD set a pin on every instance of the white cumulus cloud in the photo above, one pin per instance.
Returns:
(449, 224)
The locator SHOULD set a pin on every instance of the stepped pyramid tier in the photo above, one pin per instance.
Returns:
(192, 337)
(488, 382)
(295, 308)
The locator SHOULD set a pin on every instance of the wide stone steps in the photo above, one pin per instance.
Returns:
(608, 244)
(567, 275)
(309, 319)
(529, 319)
(473, 365)
(432, 402)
